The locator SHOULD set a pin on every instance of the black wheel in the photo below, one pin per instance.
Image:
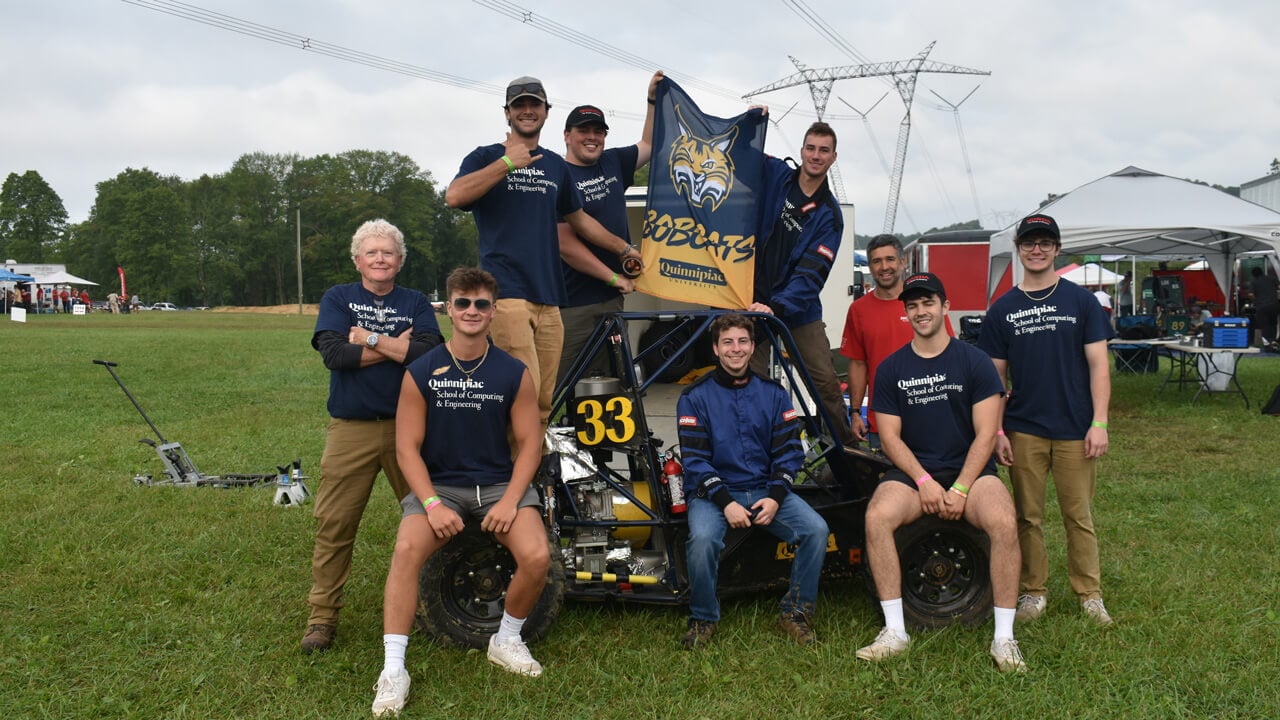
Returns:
(945, 573)
(684, 359)
(462, 589)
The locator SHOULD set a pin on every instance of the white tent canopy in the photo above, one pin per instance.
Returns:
(1091, 274)
(62, 277)
(1138, 212)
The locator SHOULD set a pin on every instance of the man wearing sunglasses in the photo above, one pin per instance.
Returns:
(517, 190)
(366, 333)
(457, 404)
(1048, 336)
(593, 276)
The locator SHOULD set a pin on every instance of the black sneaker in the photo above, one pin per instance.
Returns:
(318, 637)
(699, 633)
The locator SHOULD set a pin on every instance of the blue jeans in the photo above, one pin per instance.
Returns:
(796, 523)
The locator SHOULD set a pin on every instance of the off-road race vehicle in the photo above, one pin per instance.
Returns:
(615, 515)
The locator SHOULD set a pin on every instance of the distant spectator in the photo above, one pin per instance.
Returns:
(135, 303)
(1265, 305)
(113, 303)
(84, 300)
(66, 300)
(1126, 295)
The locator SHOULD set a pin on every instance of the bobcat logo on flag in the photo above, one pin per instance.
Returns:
(702, 169)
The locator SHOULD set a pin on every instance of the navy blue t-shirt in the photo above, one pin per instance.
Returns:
(935, 398)
(516, 222)
(603, 187)
(1043, 342)
(373, 391)
(467, 419)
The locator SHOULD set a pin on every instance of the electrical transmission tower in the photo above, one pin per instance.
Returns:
(903, 73)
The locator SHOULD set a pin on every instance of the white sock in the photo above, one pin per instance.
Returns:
(893, 616)
(509, 630)
(393, 647)
(1004, 622)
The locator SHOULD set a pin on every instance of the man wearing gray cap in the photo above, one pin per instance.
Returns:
(517, 190)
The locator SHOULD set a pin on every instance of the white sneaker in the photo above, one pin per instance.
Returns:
(887, 644)
(1096, 611)
(513, 657)
(392, 692)
(1007, 656)
(1030, 607)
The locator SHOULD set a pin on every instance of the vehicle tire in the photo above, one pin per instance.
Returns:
(684, 360)
(945, 573)
(462, 587)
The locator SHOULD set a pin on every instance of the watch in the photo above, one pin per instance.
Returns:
(372, 340)
(627, 249)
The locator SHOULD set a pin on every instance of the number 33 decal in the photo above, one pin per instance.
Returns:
(610, 419)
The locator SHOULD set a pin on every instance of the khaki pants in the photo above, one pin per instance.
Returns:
(354, 452)
(579, 322)
(1074, 478)
(815, 352)
(533, 334)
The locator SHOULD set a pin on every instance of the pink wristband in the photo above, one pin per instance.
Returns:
(920, 480)
(1000, 433)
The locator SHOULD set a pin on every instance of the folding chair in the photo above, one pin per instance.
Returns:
(1138, 357)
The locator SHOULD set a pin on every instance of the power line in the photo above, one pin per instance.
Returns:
(564, 32)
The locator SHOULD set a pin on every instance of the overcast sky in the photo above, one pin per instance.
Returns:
(1077, 90)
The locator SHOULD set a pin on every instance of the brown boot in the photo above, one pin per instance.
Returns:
(699, 633)
(797, 626)
(318, 637)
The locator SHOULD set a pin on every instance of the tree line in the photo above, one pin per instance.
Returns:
(231, 239)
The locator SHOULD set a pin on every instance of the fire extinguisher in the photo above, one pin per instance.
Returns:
(673, 476)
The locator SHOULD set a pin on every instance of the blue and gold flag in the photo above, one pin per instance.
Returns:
(699, 229)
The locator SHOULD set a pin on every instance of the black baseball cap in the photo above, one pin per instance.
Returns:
(585, 115)
(1039, 225)
(526, 86)
(918, 284)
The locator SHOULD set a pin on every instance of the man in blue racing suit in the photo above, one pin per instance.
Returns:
(741, 442)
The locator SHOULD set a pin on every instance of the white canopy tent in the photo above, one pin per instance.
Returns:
(1138, 212)
(1091, 274)
(62, 277)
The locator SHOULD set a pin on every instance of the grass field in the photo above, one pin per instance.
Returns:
(125, 601)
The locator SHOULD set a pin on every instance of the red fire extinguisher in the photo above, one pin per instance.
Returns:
(673, 476)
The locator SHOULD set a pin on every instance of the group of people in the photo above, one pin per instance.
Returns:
(456, 426)
(51, 300)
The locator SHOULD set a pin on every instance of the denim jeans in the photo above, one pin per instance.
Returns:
(796, 523)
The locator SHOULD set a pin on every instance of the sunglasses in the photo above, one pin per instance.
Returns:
(482, 304)
(530, 89)
(1043, 244)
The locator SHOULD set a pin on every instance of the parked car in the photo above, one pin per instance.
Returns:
(165, 306)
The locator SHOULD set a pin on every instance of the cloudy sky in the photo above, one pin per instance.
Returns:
(1189, 88)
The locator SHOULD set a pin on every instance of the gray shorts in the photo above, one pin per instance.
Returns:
(471, 501)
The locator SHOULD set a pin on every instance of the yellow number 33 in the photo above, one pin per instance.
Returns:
(609, 420)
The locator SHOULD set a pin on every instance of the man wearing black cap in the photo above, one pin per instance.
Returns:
(593, 277)
(517, 190)
(1048, 336)
(937, 405)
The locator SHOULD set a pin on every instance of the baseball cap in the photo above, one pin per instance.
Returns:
(1039, 224)
(585, 115)
(526, 86)
(925, 283)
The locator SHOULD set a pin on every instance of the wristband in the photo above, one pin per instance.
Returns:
(614, 280)
(626, 250)
(653, 101)
(920, 480)
(511, 167)
(1000, 433)
(1095, 423)
(431, 502)
(959, 489)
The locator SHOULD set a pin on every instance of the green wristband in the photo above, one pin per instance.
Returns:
(614, 280)
(1095, 423)
(960, 489)
(511, 167)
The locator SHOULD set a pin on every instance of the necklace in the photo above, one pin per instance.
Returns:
(1042, 297)
(472, 371)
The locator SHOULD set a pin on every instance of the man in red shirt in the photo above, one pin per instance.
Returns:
(875, 327)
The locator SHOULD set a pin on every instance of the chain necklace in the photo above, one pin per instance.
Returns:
(1046, 296)
(458, 365)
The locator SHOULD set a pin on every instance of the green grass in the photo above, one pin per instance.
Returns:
(125, 601)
